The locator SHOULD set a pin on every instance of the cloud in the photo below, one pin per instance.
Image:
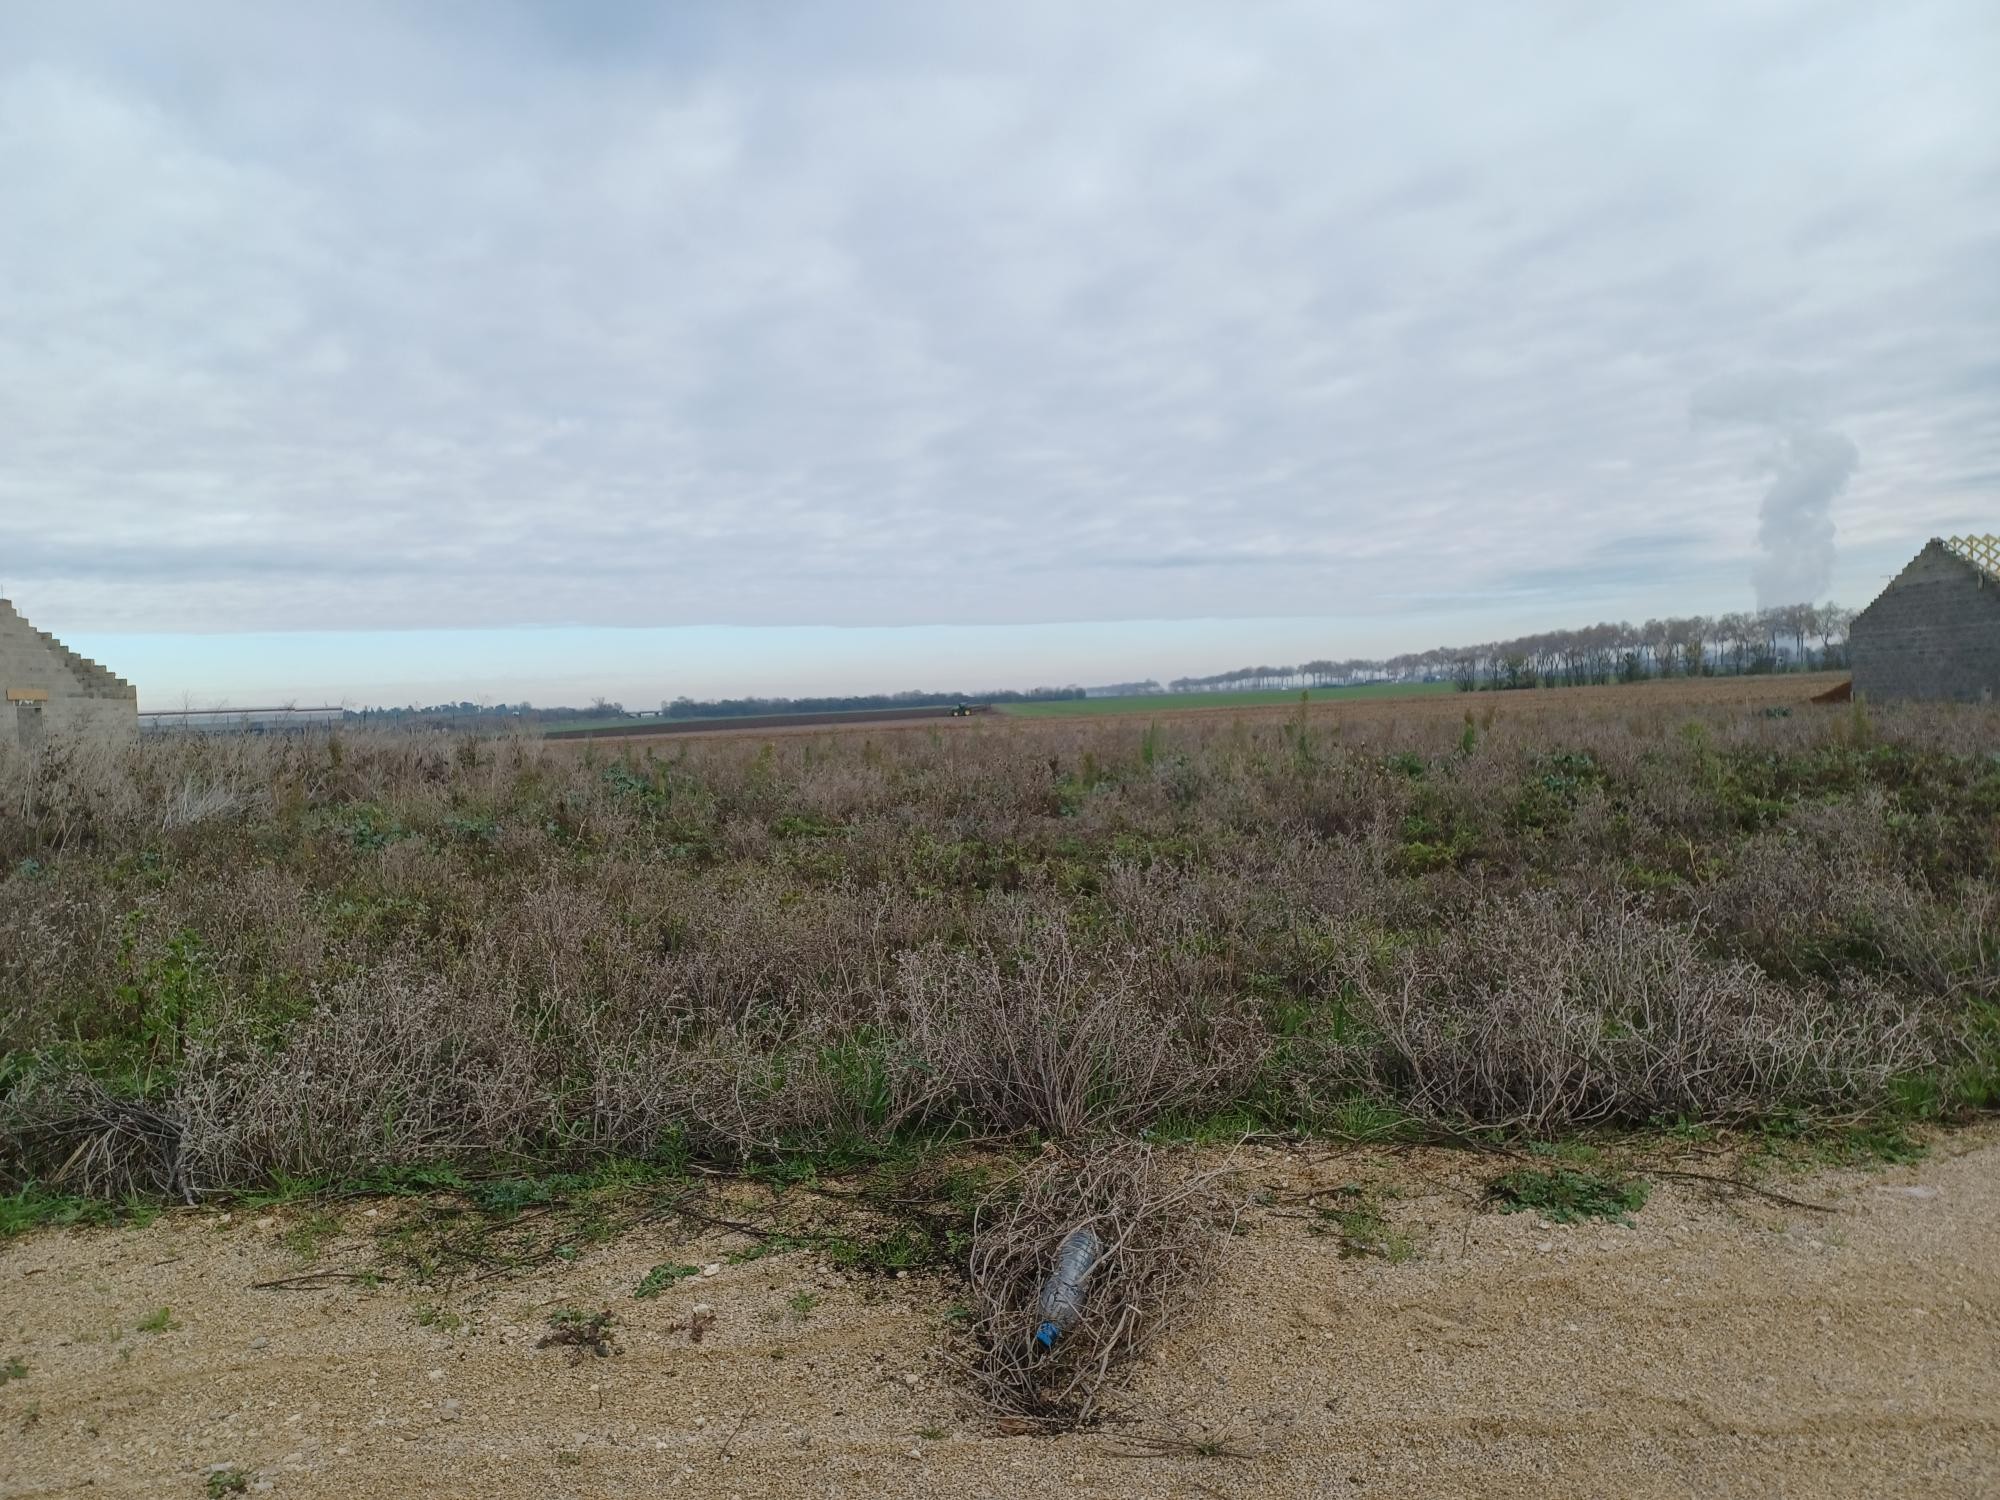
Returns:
(522, 313)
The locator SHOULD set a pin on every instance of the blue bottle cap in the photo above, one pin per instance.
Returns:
(1046, 1335)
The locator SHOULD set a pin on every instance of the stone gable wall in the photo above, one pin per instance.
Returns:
(1933, 633)
(82, 698)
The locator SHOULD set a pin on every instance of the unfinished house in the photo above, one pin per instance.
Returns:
(54, 693)
(1935, 630)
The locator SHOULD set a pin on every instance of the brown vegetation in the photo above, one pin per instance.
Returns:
(226, 963)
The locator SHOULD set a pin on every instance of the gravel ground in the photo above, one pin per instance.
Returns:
(1715, 1348)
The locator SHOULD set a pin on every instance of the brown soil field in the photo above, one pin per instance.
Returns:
(1724, 1344)
(1788, 690)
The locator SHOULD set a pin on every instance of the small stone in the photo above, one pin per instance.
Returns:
(701, 1421)
(902, 1275)
(342, 1451)
(434, 1375)
(449, 1411)
(1545, 1246)
(260, 1342)
(916, 1452)
(714, 1269)
(373, 1213)
(911, 1380)
(266, 1223)
(1917, 1191)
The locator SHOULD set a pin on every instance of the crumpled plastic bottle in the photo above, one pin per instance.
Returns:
(1061, 1302)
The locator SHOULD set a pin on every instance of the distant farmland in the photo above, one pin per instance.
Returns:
(1154, 703)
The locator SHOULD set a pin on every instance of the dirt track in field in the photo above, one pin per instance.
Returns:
(1786, 690)
(1720, 1346)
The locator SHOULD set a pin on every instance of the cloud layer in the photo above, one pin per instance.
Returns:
(880, 314)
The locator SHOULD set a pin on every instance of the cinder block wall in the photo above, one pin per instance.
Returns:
(84, 699)
(1933, 633)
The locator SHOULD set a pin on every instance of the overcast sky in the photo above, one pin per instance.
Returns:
(1378, 325)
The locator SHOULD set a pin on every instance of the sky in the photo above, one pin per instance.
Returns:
(380, 353)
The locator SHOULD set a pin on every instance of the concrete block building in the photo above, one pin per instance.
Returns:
(52, 692)
(1935, 630)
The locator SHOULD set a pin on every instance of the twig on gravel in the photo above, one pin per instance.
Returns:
(315, 1281)
(742, 1421)
(1188, 1445)
(1741, 1186)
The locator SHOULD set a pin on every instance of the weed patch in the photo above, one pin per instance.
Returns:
(581, 1332)
(1564, 1196)
(660, 1278)
(1356, 1217)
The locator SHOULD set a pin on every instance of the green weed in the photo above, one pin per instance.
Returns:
(662, 1277)
(1563, 1196)
(307, 1237)
(1363, 1230)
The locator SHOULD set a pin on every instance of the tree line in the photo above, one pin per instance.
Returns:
(729, 708)
(1790, 637)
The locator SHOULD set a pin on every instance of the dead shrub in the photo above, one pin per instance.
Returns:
(393, 1067)
(743, 1093)
(1156, 1224)
(76, 1136)
(1045, 1035)
(1535, 1016)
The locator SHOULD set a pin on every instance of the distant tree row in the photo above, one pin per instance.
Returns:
(485, 715)
(1791, 637)
(1124, 689)
(730, 708)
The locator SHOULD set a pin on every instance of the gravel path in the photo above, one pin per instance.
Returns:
(1716, 1348)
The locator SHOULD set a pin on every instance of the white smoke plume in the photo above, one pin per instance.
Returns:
(1810, 463)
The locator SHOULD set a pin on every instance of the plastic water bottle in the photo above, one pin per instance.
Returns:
(1061, 1302)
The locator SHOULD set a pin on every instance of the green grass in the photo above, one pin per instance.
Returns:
(160, 1320)
(661, 1277)
(1563, 1196)
(34, 1208)
(1359, 1223)
(310, 1235)
(1153, 703)
(581, 726)
(430, 1315)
